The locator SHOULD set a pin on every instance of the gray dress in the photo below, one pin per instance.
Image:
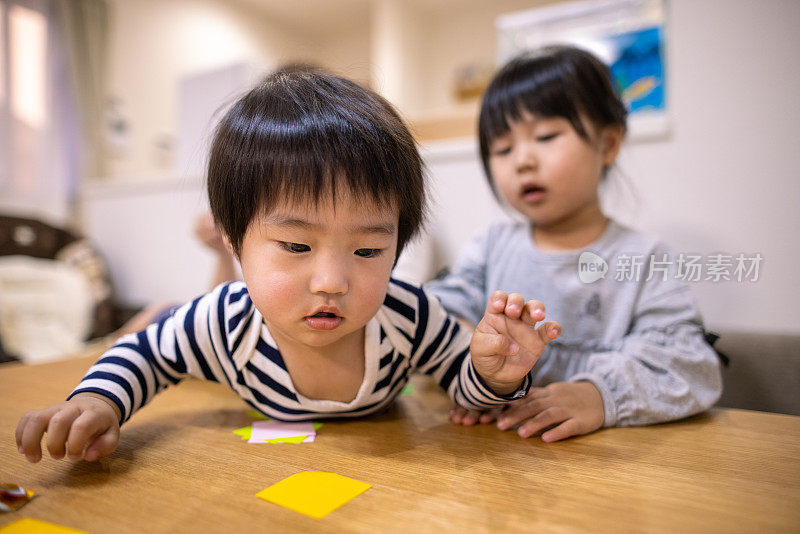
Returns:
(640, 341)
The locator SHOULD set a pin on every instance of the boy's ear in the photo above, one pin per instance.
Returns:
(611, 139)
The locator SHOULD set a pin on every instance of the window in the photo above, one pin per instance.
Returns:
(37, 176)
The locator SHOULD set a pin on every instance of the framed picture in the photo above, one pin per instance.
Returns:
(628, 35)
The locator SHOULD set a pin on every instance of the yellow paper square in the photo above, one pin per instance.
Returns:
(30, 526)
(314, 493)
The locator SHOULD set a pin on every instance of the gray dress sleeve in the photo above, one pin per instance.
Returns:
(462, 292)
(663, 369)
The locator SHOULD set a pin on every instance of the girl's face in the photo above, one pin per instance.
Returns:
(549, 173)
(319, 273)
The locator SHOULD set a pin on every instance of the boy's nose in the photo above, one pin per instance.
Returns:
(330, 277)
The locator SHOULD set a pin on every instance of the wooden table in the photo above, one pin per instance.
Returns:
(179, 468)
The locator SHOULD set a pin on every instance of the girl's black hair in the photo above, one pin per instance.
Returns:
(302, 134)
(554, 81)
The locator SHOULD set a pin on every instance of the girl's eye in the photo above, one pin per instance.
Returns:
(502, 151)
(296, 248)
(368, 252)
(546, 138)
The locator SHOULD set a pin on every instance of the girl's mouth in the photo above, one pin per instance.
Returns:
(533, 193)
(323, 321)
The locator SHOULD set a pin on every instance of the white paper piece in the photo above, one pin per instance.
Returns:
(263, 430)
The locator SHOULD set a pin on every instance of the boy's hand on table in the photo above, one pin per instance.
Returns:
(85, 426)
(506, 343)
(557, 411)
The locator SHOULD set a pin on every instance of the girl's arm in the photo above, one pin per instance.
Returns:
(663, 369)
(462, 292)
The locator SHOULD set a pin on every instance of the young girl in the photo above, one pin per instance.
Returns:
(317, 185)
(633, 351)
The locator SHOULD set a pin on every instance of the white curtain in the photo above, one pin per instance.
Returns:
(41, 147)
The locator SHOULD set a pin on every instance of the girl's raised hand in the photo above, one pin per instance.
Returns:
(85, 426)
(506, 343)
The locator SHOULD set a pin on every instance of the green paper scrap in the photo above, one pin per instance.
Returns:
(317, 426)
(408, 390)
(254, 414)
(290, 439)
(244, 432)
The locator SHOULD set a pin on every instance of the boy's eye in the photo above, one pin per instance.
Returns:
(368, 252)
(546, 138)
(501, 151)
(297, 248)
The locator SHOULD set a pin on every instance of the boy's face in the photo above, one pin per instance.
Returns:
(319, 273)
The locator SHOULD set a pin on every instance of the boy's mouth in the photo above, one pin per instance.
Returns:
(323, 320)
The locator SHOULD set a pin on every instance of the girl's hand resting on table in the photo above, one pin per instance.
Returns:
(85, 426)
(557, 411)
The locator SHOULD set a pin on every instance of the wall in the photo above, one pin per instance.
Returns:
(154, 43)
(725, 180)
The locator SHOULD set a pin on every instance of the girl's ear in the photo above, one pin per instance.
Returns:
(228, 246)
(611, 142)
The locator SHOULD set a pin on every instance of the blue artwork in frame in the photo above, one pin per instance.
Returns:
(638, 69)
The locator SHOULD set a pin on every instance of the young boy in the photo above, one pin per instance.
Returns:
(317, 185)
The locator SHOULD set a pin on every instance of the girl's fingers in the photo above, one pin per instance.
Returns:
(567, 429)
(58, 430)
(549, 417)
(516, 414)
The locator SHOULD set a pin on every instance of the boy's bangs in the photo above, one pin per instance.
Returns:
(298, 154)
(308, 162)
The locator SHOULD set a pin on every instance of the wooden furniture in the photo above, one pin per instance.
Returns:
(179, 468)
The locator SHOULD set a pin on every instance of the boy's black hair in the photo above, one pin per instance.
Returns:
(554, 81)
(302, 134)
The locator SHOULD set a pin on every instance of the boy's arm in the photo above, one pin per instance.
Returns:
(192, 342)
(87, 425)
(443, 350)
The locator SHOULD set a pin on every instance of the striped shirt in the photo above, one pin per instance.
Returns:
(222, 337)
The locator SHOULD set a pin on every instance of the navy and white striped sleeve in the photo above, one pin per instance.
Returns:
(190, 342)
(441, 349)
